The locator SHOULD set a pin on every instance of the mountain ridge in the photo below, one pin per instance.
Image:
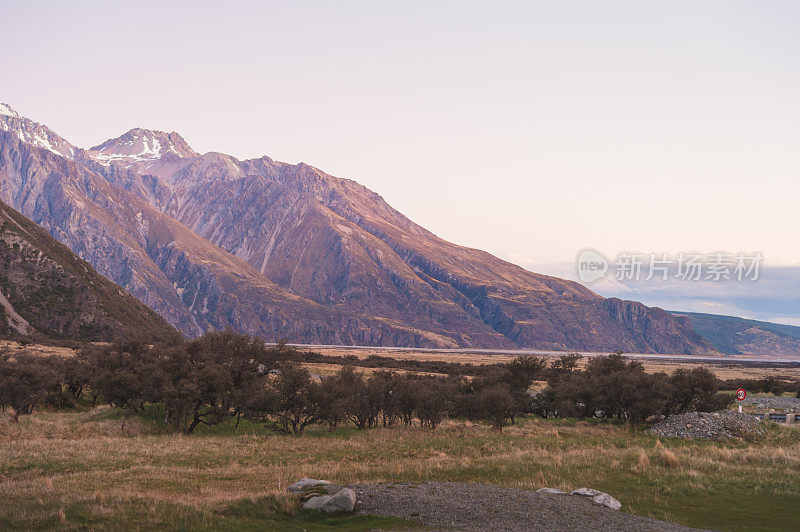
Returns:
(140, 144)
(323, 251)
(732, 335)
(158, 259)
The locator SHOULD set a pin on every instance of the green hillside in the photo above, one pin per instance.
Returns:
(729, 334)
(50, 293)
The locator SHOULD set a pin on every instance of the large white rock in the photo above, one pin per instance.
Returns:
(607, 500)
(343, 500)
(316, 503)
(586, 492)
(305, 483)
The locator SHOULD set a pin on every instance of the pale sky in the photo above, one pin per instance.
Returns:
(530, 129)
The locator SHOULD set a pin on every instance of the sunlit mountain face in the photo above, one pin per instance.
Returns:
(282, 250)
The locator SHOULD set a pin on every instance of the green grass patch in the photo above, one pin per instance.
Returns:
(82, 470)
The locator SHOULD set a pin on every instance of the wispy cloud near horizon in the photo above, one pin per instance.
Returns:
(774, 297)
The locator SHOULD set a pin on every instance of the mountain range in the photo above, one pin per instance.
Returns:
(288, 251)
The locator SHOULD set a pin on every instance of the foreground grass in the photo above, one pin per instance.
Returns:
(85, 470)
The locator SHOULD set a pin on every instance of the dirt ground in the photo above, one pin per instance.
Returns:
(472, 506)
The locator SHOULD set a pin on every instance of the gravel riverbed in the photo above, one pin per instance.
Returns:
(467, 506)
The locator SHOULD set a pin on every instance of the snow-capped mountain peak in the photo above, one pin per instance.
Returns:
(6, 110)
(140, 144)
(34, 134)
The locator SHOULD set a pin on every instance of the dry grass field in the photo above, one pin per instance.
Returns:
(723, 370)
(36, 349)
(324, 369)
(728, 370)
(92, 469)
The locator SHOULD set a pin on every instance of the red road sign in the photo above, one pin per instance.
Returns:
(741, 394)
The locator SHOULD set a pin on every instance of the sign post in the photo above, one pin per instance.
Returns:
(740, 395)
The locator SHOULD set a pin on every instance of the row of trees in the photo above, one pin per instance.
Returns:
(611, 386)
(292, 400)
(225, 376)
(773, 385)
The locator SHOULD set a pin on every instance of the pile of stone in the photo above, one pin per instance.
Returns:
(343, 500)
(597, 497)
(722, 425)
(764, 403)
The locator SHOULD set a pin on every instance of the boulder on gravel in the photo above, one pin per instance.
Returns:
(343, 500)
(316, 503)
(607, 500)
(306, 483)
(552, 491)
(598, 497)
(586, 492)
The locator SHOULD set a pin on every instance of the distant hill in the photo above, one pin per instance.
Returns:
(739, 336)
(46, 292)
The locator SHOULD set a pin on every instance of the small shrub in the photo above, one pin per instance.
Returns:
(26, 381)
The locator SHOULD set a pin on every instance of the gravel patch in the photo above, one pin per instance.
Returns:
(773, 402)
(722, 425)
(467, 506)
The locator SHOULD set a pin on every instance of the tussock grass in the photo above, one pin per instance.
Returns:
(669, 458)
(82, 469)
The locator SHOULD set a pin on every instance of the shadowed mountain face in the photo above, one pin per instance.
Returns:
(739, 336)
(287, 250)
(47, 292)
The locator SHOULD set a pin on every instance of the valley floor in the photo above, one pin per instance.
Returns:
(722, 367)
(89, 469)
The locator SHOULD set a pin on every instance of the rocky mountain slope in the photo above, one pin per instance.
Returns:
(195, 285)
(288, 250)
(46, 292)
(739, 336)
